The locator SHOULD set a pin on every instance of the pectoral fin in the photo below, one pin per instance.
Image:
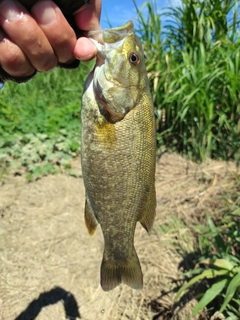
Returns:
(90, 220)
(149, 209)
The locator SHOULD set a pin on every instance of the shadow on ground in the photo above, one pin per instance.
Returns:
(51, 297)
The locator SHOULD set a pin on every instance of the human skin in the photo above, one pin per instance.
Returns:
(40, 39)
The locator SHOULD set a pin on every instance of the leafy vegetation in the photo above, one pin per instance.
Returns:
(220, 265)
(40, 122)
(40, 154)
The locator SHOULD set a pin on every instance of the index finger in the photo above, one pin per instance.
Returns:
(88, 16)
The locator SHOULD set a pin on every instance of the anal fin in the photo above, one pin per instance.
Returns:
(149, 209)
(90, 219)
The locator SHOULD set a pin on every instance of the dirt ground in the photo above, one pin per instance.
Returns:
(49, 265)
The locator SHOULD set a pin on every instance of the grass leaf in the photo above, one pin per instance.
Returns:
(233, 286)
(210, 295)
(209, 274)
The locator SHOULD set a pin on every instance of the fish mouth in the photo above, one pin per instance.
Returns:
(110, 36)
(104, 108)
(117, 34)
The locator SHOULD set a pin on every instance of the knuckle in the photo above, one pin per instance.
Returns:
(48, 64)
(13, 60)
(13, 56)
(40, 53)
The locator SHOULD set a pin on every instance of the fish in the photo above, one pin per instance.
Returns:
(118, 152)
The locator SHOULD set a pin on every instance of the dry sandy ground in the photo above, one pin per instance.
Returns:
(49, 265)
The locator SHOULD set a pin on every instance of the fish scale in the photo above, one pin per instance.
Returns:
(118, 151)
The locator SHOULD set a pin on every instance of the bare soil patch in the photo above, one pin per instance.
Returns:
(49, 265)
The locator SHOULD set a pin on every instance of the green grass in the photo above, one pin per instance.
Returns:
(193, 65)
(49, 102)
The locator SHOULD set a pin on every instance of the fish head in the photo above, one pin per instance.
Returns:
(120, 75)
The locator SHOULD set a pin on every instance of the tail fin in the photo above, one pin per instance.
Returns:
(128, 272)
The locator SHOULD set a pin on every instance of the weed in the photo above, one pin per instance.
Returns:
(40, 122)
(219, 262)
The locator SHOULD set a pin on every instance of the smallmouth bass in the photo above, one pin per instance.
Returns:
(118, 152)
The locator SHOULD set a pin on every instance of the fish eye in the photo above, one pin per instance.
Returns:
(134, 58)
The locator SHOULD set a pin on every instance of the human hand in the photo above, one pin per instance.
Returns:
(43, 38)
(87, 18)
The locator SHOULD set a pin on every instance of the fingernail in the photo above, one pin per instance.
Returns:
(10, 11)
(44, 12)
